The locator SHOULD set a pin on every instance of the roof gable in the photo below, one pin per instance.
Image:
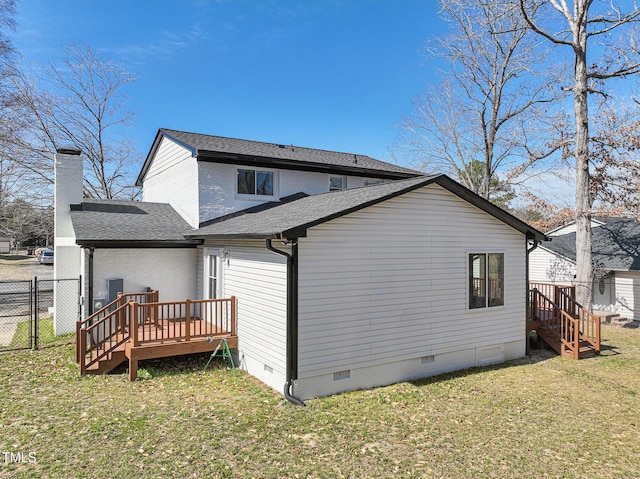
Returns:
(219, 149)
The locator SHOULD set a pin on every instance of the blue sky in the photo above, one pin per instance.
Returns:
(333, 74)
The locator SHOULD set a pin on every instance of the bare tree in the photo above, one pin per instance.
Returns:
(476, 114)
(80, 103)
(615, 55)
(7, 50)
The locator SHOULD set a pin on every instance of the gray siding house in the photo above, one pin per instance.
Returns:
(406, 277)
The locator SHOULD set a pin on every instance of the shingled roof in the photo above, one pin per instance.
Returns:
(275, 155)
(615, 245)
(128, 223)
(291, 219)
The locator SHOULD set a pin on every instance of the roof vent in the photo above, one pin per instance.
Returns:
(281, 146)
(355, 159)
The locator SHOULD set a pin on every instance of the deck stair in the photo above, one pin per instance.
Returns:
(570, 329)
(136, 326)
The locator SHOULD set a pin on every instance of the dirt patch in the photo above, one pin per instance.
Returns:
(16, 267)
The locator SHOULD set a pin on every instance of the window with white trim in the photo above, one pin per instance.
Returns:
(255, 182)
(337, 183)
(486, 280)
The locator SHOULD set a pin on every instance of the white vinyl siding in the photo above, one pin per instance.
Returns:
(389, 283)
(173, 178)
(627, 290)
(547, 267)
(257, 278)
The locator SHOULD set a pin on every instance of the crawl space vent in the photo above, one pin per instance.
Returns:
(337, 376)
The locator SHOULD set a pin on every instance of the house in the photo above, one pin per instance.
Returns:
(616, 258)
(5, 245)
(348, 272)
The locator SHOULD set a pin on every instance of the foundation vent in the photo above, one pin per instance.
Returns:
(346, 374)
(268, 369)
(428, 359)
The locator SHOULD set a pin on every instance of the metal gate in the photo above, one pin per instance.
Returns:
(26, 320)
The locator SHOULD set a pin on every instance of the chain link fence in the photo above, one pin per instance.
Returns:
(26, 312)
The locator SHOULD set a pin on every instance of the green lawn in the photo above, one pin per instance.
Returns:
(46, 337)
(541, 417)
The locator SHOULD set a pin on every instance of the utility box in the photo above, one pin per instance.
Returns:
(115, 286)
(98, 304)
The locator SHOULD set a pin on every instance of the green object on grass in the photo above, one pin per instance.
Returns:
(225, 353)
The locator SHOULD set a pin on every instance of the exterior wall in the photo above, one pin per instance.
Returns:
(170, 271)
(173, 178)
(217, 188)
(571, 228)
(257, 277)
(67, 255)
(5, 245)
(548, 267)
(605, 300)
(627, 294)
(383, 294)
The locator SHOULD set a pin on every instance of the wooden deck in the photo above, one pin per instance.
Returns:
(107, 338)
(571, 330)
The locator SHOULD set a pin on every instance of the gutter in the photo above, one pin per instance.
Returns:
(528, 306)
(90, 279)
(292, 319)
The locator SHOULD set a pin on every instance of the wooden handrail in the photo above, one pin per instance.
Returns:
(106, 334)
(566, 318)
(150, 321)
(588, 323)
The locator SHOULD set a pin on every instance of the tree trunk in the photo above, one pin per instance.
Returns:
(584, 266)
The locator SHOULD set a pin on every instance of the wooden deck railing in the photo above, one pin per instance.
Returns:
(555, 307)
(552, 291)
(140, 319)
(183, 320)
(588, 323)
(99, 329)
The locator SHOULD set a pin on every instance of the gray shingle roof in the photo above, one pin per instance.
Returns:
(291, 219)
(127, 221)
(233, 150)
(616, 245)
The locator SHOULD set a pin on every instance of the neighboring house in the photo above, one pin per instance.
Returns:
(616, 259)
(336, 290)
(5, 245)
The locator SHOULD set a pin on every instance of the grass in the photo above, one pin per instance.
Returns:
(544, 416)
(46, 337)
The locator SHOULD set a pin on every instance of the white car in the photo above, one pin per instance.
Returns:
(45, 256)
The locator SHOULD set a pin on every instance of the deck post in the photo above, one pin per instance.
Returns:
(188, 319)
(78, 341)
(81, 343)
(133, 320)
(133, 366)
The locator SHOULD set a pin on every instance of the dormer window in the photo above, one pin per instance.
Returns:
(255, 182)
(337, 183)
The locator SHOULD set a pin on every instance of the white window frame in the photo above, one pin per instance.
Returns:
(254, 195)
(343, 180)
